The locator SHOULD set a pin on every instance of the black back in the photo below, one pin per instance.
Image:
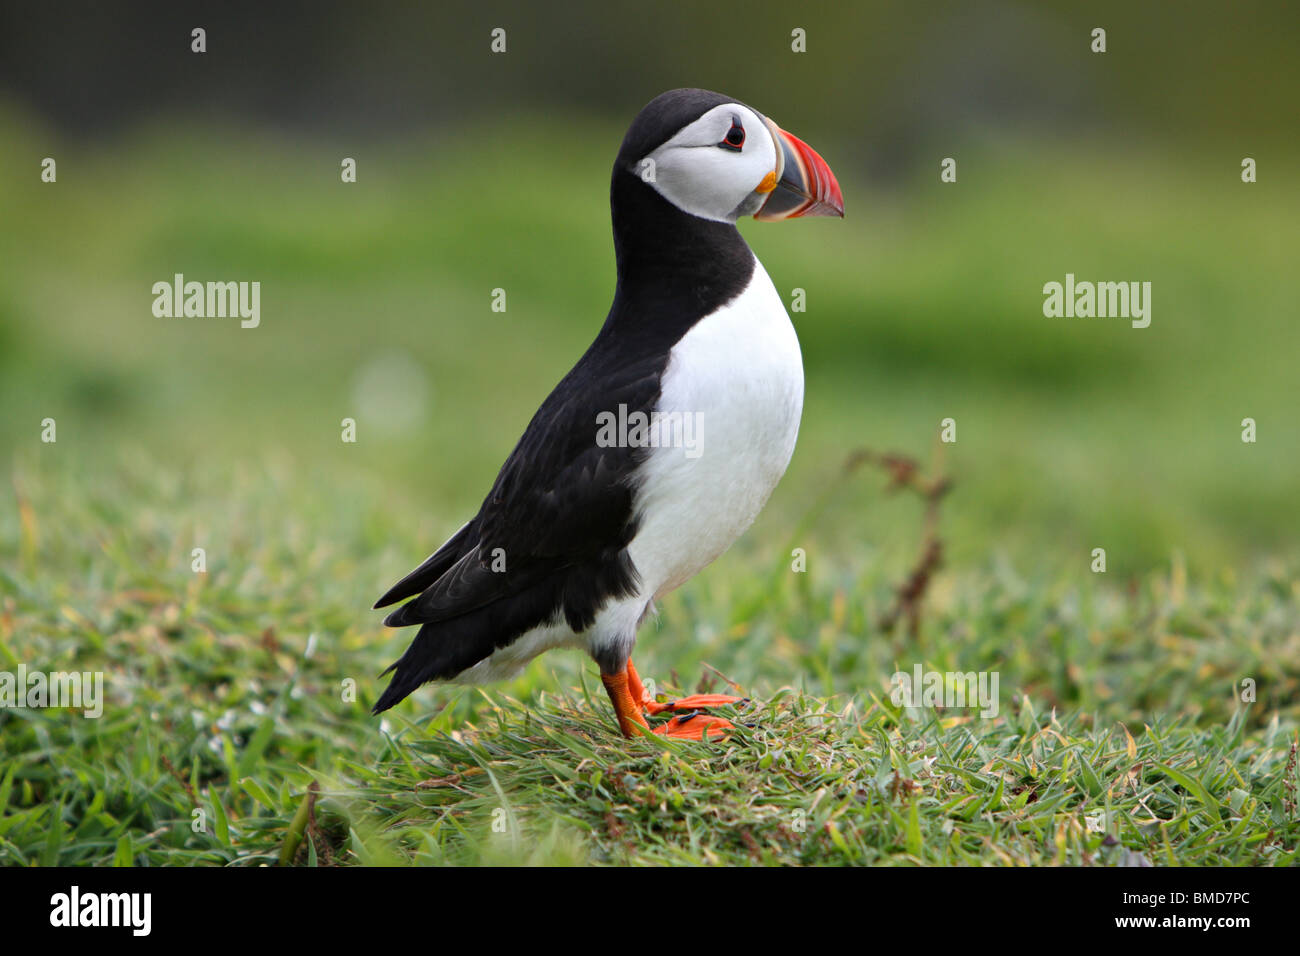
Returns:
(560, 513)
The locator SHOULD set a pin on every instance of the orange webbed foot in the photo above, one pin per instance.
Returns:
(632, 702)
(693, 702)
(695, 726)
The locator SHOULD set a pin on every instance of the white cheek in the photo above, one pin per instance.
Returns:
(707, 181)
(698, 177)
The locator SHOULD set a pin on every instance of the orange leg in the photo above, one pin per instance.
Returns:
(630, 700)
(626, 707)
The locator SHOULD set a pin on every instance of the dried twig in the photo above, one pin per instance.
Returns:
(905, 472)
(180, 778)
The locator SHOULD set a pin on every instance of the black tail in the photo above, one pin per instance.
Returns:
(444, 649)
(419, 665)
(430, 657)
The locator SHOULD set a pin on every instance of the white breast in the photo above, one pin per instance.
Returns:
(739, 373)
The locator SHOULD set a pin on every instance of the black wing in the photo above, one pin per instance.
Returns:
(549, 539)
(434, 566)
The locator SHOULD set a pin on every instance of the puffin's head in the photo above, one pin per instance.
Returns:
(716, 158)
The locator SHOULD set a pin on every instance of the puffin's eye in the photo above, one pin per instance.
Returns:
(735, 137)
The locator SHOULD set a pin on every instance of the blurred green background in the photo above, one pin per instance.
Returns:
(478, 171)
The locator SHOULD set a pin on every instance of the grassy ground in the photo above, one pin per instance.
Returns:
(1121, 731)
(1119, 734)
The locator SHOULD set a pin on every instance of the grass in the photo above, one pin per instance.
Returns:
(819, 783)
(236, 729)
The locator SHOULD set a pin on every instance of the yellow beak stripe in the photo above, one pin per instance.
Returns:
(768, 183)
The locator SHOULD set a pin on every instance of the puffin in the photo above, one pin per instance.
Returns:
(660, 446)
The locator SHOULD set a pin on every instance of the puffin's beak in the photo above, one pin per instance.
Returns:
(805, 185)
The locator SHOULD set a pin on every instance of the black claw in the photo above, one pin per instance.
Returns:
(682, 718)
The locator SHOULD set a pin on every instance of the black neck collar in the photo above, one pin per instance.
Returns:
(673, 268)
